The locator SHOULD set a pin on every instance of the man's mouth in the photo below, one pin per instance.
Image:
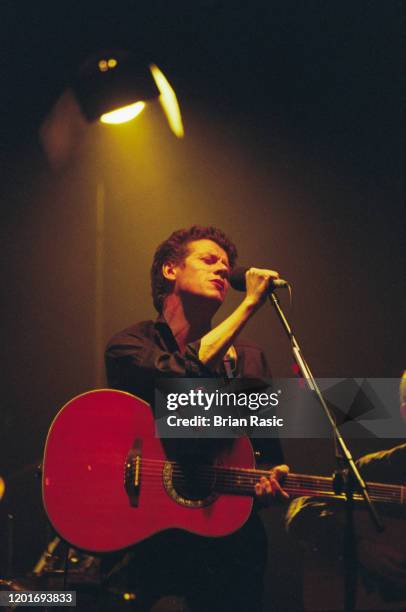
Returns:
(219, 284)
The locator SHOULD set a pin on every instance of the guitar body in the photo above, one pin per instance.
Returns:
(97, 503)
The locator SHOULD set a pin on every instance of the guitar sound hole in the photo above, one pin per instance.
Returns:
(193, 482)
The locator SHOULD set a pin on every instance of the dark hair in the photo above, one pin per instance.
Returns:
(174, 250)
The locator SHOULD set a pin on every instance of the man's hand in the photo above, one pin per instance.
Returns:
(269, 486)
(257, 283)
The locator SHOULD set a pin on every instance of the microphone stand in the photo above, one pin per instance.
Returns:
(346, 478)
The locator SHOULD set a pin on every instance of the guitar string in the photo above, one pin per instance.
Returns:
(229, 481)
(251, 472)
(301, 491)
(306, 478)
(295, 486)
(241, 473)
(245, 479)
(250, 490)
(305, 482)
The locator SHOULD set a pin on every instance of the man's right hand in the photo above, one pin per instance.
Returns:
(257, 283)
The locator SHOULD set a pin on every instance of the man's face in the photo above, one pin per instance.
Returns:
(204, 271)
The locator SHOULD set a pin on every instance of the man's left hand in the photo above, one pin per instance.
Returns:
(269, 486)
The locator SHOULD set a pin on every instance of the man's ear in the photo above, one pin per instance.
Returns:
(169, 271)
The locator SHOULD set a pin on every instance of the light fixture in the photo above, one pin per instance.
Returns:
(114, 87)
(110, 80)
(111, 86)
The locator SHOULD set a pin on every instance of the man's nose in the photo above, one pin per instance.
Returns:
(222, 270)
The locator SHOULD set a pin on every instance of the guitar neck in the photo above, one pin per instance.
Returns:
(241, 481)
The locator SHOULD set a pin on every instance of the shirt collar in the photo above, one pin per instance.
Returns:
(165, 332)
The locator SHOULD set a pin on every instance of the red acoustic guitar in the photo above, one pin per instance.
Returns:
(107, 483)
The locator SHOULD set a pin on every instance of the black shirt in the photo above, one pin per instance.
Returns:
(136, 356)
(141, 353)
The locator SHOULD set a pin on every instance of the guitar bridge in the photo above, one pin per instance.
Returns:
(132, 473)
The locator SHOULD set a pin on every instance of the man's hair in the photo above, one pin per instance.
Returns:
(174, 250)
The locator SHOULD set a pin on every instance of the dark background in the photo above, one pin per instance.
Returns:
(293, 145)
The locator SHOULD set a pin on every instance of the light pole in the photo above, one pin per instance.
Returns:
(99, 286)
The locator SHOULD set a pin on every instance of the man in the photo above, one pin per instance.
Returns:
(190, 279)
(320, 527)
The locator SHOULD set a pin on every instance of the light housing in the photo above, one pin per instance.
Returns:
(110, 80)
(113, 83)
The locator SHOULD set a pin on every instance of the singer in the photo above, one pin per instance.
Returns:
(190, 277)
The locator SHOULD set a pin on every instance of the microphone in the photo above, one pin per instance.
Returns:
(237, 281)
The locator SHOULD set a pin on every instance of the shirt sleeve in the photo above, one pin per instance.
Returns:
(385, 466)
(134, 361)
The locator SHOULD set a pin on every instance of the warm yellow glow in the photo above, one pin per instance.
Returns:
(168, 101)
(2, 487)
(121, 115)
(112, 63)
(103, 65)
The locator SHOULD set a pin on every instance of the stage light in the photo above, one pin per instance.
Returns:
(107, 82)
(111, 82)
